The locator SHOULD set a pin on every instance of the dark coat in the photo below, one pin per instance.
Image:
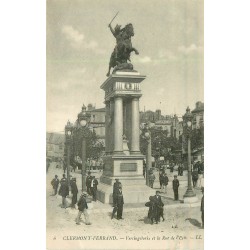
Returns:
(165, 180)
(64, 189)
(152, 213)
(74, 188)
(159, 206)
(88, 180)
(161, 178)
(118, 199)
(82, 204)
(195, 175)
(175, 184)
(95, 183)
(116, 187)
(63, 180)
(55, 183)
(158, 201)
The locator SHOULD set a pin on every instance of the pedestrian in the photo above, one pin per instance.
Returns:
(159, 206)
(93, 187)
(152, 212)
(82, 207)
(171, 167)
(55, 184)
(181, 169)
(151, 179)
(194, 178)
(165, 182)
(74, 191)
(88, 183)
(202, 207)
(116, 188)
(161, 177)
(118, 204)
(64, 192)
(63, 179)
(175, 188)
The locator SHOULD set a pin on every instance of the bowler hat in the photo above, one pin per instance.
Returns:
(84, 193)
(175, 175)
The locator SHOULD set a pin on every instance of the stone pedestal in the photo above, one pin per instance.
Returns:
(123, 158)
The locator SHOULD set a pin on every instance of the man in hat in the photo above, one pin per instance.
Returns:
(63, 179)
(175, 188)
(74, 191)
(116, 188)
(118, 204)
(88, 183)
(82, 207)
(64, 192)
(202, 207)
(165, 182)
(55, 184)
(93, 187)
(161, 178)
(159, 206)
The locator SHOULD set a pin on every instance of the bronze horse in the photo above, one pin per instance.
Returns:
(121, 54)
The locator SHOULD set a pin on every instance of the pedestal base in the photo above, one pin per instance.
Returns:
(128, 169)
(131, 193)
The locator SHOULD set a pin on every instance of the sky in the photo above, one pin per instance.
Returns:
(169, 36)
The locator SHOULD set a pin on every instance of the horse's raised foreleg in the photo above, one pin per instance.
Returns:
(135, 50)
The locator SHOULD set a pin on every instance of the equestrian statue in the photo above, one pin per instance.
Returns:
(120, 57)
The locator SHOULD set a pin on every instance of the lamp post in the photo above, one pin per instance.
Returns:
(83, 121)
(187, 122)
(147, 135)
(68, 135)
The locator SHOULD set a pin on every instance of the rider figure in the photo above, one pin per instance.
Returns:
(117, 33)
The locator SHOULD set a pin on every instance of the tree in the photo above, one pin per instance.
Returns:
(94, 146)
(161, 143)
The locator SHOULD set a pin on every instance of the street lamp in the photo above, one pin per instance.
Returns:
(68, 135)
(147, 136)
(187, 125)
(83, 120)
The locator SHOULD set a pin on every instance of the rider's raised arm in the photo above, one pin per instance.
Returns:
(112, 30)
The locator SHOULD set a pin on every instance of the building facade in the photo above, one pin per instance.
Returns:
(55, 146)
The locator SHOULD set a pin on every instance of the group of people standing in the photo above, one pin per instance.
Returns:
(155, 205)
(91, 184)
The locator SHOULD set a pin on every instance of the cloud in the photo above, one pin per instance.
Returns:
(77, 40)
(167, 54)
(190, 49)
(74, 36)
(145, 59)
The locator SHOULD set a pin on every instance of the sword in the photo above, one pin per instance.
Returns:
(113, 18)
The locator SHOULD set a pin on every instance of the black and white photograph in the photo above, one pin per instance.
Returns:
(125, 124)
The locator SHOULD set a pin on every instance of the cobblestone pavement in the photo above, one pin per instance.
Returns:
(180, 228)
